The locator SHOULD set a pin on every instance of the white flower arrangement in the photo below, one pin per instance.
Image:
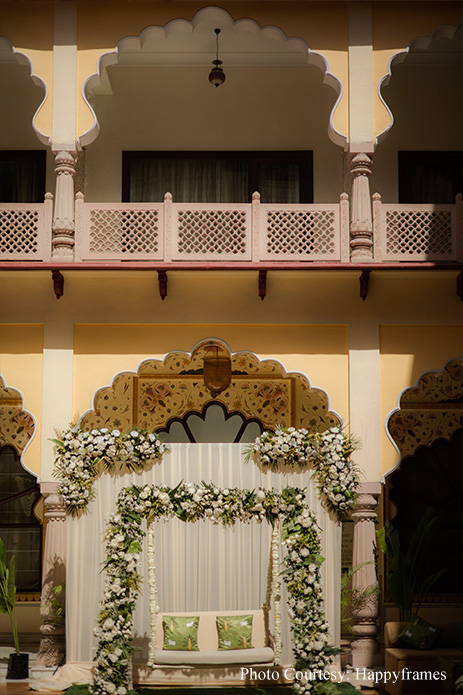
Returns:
(78, 454)
(328, 453)
(190, 503)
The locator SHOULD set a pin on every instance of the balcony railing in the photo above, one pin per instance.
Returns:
(256, 232)
(417, 232)
(26, 230)
(211, 232)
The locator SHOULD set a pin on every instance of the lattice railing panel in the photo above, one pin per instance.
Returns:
(214, 233)
(418, 232)
(22, 233)
(309, 233)
(123, 232)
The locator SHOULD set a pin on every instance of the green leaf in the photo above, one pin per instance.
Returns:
(58, 443)
(11, 584)
(134, 547)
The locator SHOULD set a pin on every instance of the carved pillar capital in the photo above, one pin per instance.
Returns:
(365, 648)
(361, 229)
(63, 220)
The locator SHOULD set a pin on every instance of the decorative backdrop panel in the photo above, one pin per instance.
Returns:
(163, 390)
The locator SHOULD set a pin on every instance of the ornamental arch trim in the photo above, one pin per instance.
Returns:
(431, 409)
(420, 43)
(17, 425)
(162, 390)
(8, 54)
(212, 17)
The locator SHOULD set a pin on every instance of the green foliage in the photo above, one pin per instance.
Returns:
(353, 598)
(405, 577)
(330, 688)
(57, 603)
(8, 591)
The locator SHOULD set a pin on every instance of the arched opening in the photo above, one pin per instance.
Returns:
(419, 158)
(26, 166)
(427, 430)
(154, 96)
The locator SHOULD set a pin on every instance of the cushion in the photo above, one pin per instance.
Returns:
(180, 633)
(234, 631)
(419, 634)
(224, 658)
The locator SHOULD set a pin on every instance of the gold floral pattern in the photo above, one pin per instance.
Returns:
(16, 424)
(162, 390)
(430, 410)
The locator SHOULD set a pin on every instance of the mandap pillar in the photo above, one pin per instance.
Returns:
(52, 643)
(365, 647)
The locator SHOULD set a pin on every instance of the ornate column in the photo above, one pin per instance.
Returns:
(361, 229)
(365, 648)
(63, 219)
(52, 644)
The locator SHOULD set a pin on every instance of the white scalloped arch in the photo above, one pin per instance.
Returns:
(422, 43)
(431, 373)
(153, 37)
(8, 54)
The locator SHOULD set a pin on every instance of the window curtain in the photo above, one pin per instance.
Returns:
(189, 180)
(200, 566)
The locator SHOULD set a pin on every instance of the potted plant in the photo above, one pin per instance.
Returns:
(406, 578)
(18, 664)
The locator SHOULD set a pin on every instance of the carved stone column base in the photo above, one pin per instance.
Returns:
(52, 649)
(365, 648)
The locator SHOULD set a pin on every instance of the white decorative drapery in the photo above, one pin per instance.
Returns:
(198, 566)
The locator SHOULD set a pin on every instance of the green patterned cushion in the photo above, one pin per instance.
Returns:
(181, 633)
(234, 631)
(419, 634)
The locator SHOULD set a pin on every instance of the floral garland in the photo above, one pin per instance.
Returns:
(78, 454)
(190, 503)
(303, 582)
(328, 452)
(274, 589)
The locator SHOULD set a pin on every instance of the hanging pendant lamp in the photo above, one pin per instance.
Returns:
(217, 75)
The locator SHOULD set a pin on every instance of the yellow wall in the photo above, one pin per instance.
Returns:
(407, 352)
(320, 352)
(21, 348)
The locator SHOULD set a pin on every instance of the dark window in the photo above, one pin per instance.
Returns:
(20, 530)
(430, 177)
(214, 424)
(22, 176)
(217, 177)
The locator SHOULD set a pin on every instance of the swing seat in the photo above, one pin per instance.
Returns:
(208, 654)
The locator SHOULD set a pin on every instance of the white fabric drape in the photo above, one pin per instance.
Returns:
(200, 566)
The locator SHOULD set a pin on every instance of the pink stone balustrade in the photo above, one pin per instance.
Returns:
(211, 232)
(253, 232)
(25, 230)
(417, 232)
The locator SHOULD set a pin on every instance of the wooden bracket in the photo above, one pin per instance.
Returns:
(460, 285)
(364, 283)
(262, 284)
(58, 283)
(162, 281)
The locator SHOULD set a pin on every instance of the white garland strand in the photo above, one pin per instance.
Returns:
(153, 593)
(276, 589)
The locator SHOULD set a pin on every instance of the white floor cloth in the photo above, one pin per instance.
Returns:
(199, 566)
